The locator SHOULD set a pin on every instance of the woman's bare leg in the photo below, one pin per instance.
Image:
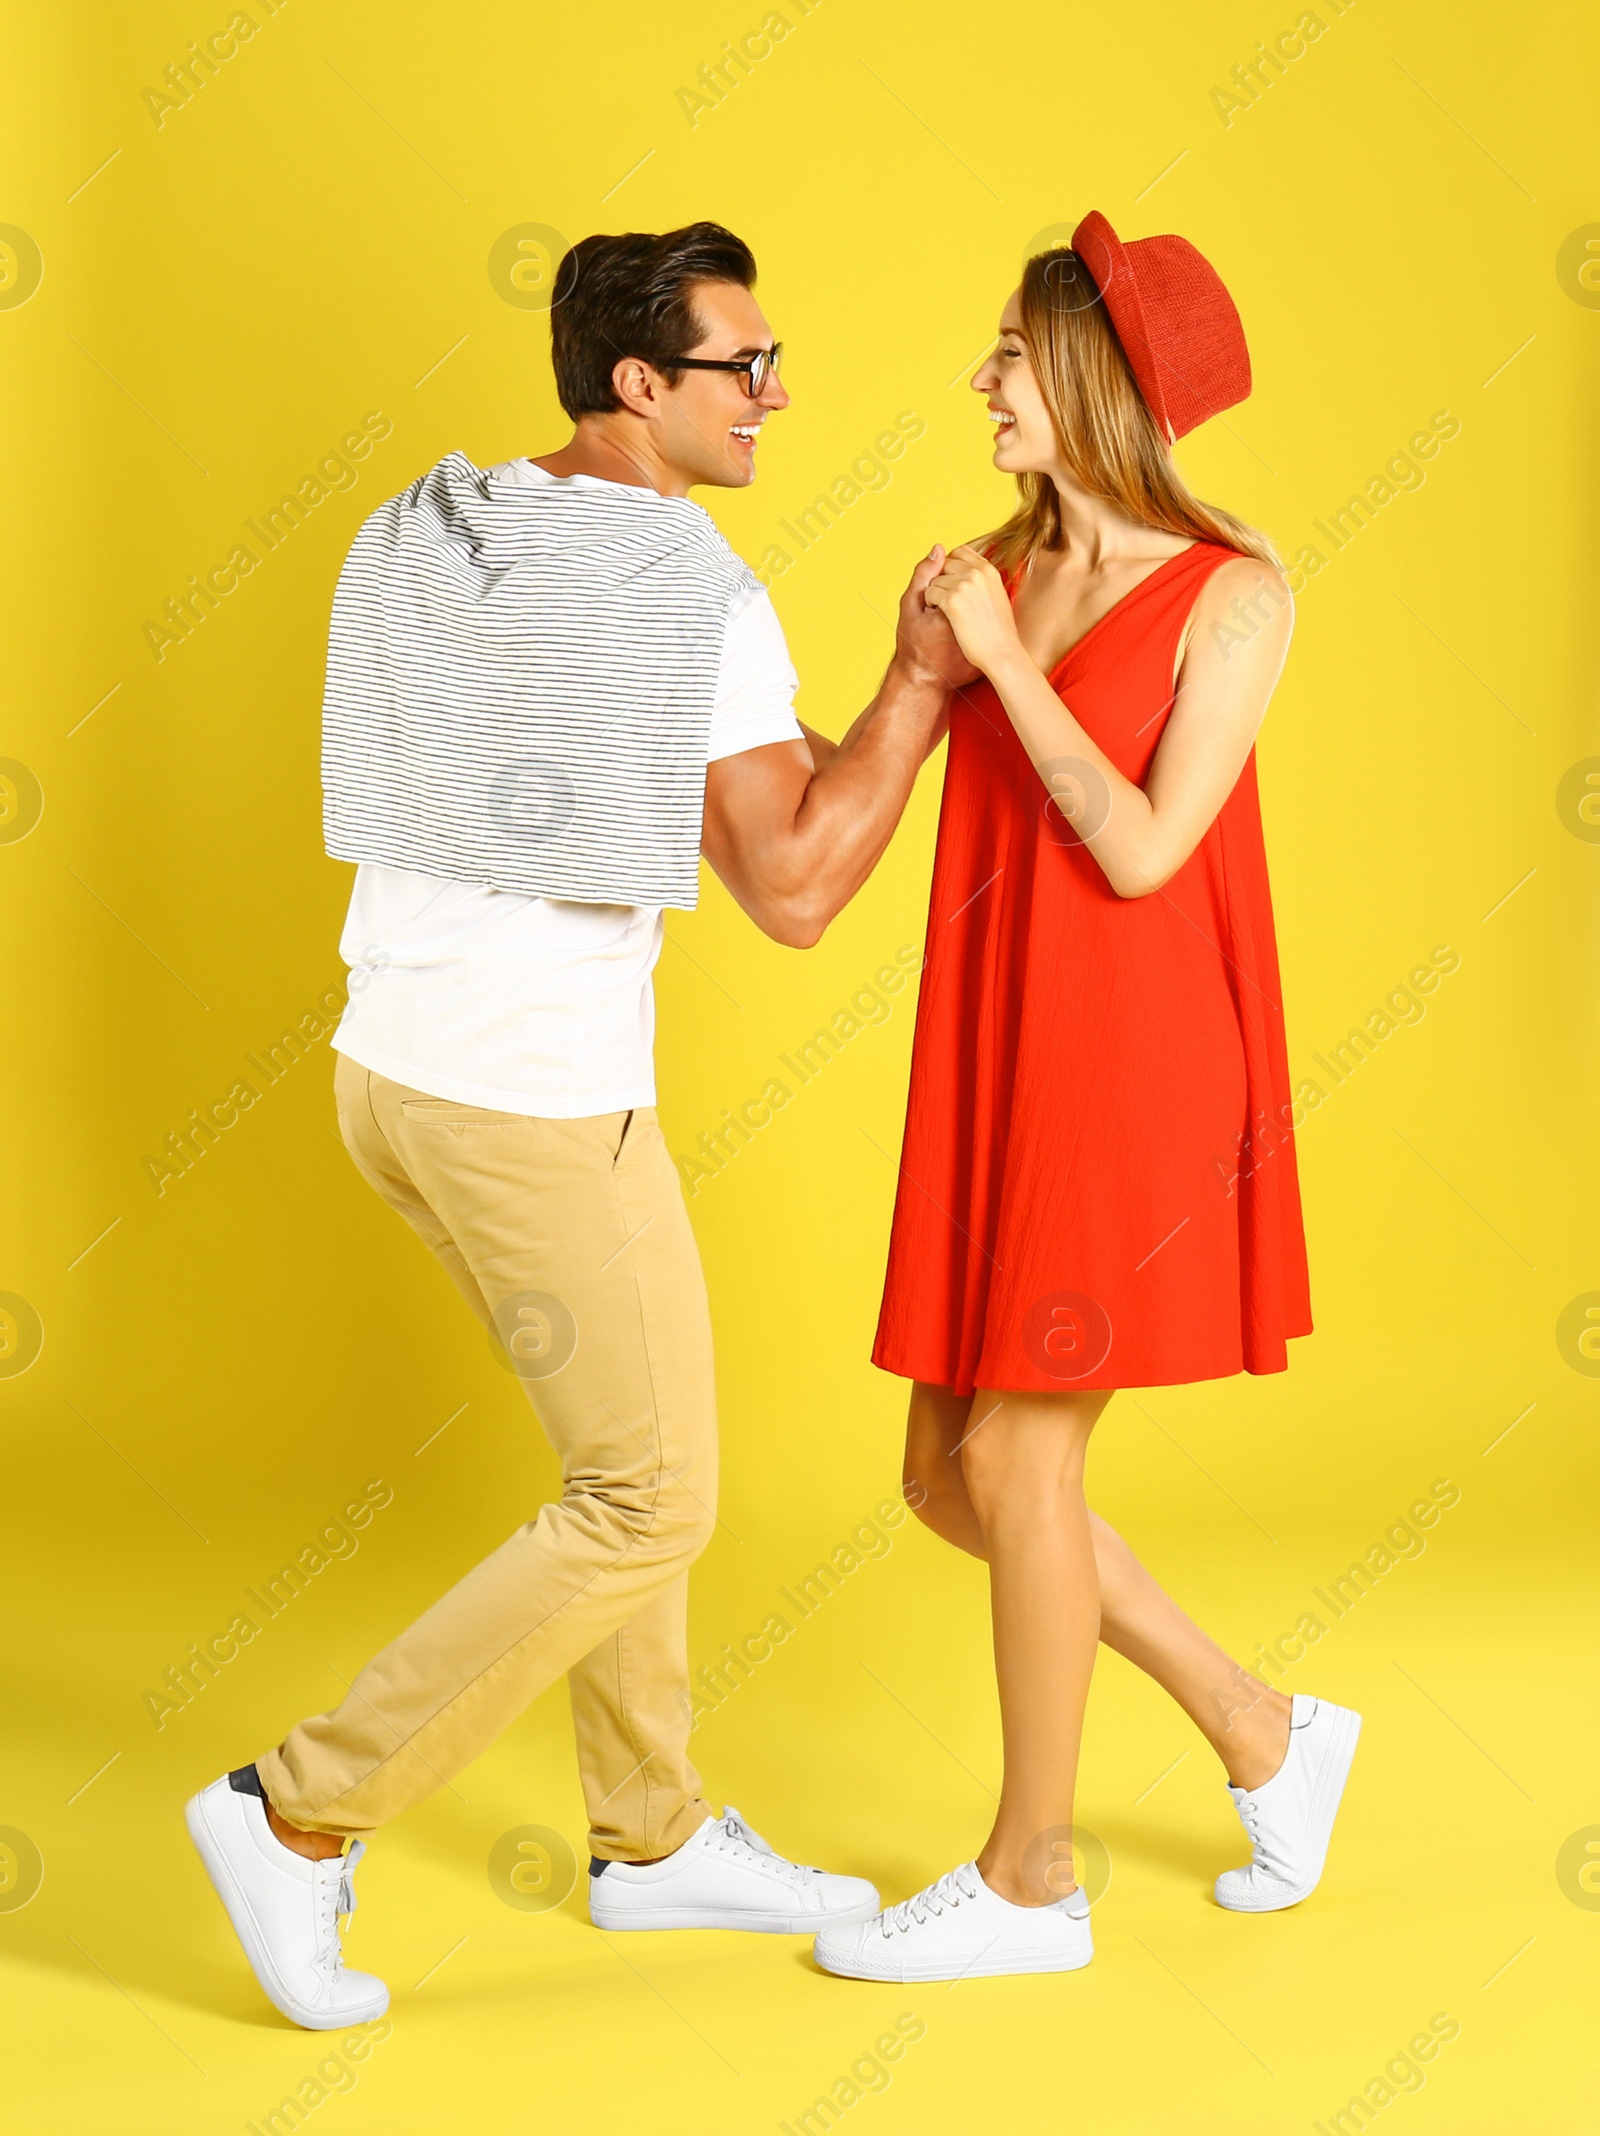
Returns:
(1022, 1459)
(1245, 1722)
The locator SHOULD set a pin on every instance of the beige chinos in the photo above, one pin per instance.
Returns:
(571, 1237)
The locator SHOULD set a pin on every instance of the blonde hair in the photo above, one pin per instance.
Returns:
(1109, 439)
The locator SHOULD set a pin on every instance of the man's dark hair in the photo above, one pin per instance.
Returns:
(630, 296)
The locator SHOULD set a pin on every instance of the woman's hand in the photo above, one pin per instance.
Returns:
(972, 595)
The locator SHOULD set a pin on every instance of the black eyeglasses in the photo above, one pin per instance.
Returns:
(756, 368)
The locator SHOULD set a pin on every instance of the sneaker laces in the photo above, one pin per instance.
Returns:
(948, 1890)
(336, 1899)
(1262, 1856)
(735, 1837)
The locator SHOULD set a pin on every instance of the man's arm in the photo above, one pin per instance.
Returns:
(794, 829)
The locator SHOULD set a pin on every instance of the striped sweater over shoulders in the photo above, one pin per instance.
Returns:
(520, 685)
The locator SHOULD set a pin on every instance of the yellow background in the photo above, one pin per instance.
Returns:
(307, 240)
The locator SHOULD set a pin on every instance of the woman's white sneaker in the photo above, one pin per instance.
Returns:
(284, 1908)
(1289, 1818)
(726, 1876)
(958, 1929)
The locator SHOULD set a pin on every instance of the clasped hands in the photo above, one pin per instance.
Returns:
(955, 623)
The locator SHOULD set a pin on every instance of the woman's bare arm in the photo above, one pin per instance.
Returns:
(1140, 835)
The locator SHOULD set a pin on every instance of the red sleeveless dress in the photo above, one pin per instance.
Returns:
(1098, 1183)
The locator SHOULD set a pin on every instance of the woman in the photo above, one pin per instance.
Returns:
(1098, 1187)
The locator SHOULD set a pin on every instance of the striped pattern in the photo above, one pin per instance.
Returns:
(520, 686)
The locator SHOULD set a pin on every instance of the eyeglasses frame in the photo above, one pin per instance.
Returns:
(770, 359)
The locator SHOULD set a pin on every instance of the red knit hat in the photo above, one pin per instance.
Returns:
(1176, 322)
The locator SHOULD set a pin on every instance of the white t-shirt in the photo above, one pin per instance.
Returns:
(533, 1004)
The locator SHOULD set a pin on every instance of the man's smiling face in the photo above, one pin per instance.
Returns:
(709, 423)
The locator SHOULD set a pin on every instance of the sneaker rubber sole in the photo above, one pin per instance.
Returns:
(893, 1969)
(754, 1924)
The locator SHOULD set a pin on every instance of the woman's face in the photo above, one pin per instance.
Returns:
(1025, 440)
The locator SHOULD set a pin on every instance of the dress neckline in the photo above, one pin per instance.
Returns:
(1117, 605)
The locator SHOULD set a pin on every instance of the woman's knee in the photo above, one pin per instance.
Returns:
(1027, 1446)
(989, 1469)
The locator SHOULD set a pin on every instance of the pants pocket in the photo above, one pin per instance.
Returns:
(450, 1112)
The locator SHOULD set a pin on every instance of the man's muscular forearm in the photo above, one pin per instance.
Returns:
(795, 829)
(851, 806)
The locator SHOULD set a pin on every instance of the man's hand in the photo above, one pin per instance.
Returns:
(925, 645)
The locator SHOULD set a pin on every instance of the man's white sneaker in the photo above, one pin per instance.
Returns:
(284, 1908)
(1289, 1818)
(959, 1929)
(726, 1876)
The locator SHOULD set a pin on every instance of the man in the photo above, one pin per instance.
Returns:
(549, 684)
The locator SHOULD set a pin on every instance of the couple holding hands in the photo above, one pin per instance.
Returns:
(551, 687)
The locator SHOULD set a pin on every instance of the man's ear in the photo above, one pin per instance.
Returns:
(637, 385)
